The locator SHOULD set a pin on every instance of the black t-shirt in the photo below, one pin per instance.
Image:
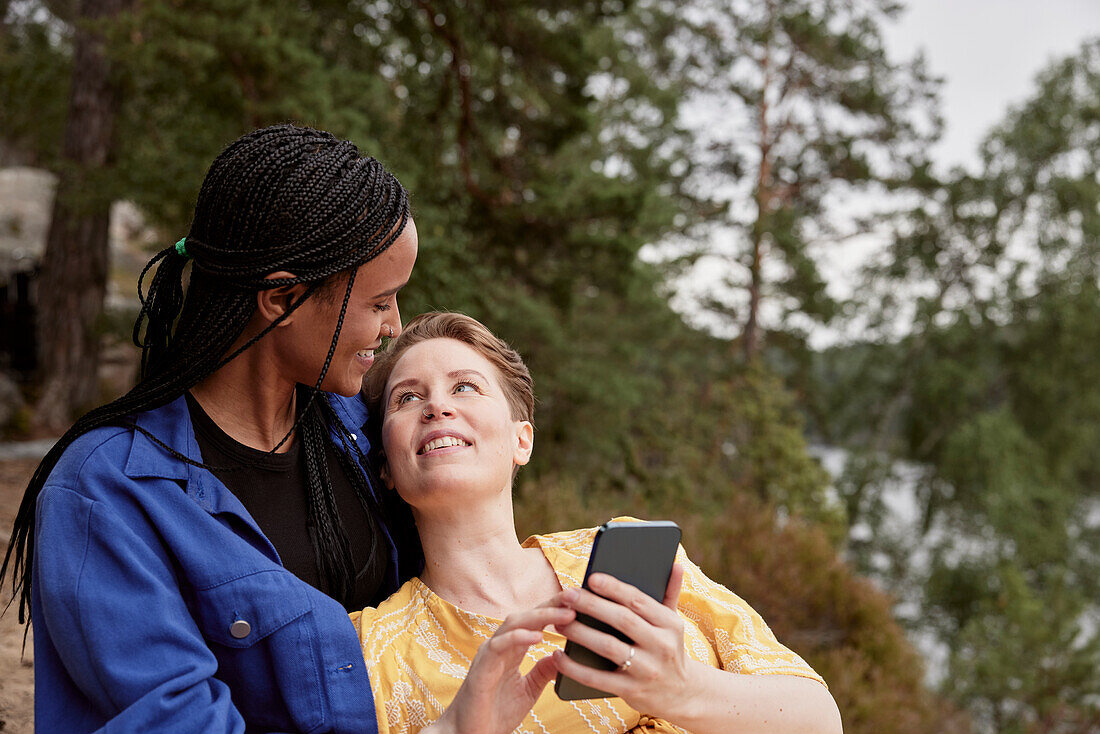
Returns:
(272, 487)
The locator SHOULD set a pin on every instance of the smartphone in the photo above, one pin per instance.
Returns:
(638, 553)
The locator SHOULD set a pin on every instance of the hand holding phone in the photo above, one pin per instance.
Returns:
(638, 553)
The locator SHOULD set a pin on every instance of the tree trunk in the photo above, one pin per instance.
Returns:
(750, 335)
(73, 282)
(750, 339)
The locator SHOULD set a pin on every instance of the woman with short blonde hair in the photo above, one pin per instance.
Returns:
(452, 407)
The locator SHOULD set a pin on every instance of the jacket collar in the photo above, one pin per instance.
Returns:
(353, 414)
(171, 425)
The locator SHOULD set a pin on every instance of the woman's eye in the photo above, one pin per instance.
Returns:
(406, 398)
(380, 307)
(465, 387)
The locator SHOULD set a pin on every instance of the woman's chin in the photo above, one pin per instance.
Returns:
(347, 388)
(450, 492)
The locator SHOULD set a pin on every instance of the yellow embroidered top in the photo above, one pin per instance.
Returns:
(419, 647)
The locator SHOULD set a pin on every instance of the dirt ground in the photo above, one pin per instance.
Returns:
(16, 670)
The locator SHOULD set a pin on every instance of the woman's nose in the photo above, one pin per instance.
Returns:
(391, 326)
(436, 409)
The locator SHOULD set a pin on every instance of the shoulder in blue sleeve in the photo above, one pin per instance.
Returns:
(158, 605)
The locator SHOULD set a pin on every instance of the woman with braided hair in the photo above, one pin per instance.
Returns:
(188, 552)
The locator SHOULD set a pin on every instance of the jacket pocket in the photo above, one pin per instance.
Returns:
(262, 629)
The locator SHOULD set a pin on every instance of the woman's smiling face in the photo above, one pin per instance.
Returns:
(447, 428)
(303, 340)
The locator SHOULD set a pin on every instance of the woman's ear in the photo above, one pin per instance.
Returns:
(274, 302)
(525, 442)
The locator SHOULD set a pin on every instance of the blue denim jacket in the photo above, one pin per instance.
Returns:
(158, 605)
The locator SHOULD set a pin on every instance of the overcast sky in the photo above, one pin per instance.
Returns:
(988, 52)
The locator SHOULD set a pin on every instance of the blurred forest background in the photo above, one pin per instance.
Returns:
(575, 163)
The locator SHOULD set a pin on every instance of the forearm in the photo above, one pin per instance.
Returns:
(729, 702)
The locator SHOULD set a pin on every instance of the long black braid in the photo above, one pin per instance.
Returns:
(281, 198)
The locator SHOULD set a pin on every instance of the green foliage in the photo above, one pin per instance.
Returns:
(196, 75)
(514, 148)
(1024, 657)
(642, 407)
(995, 392)
(34, 63)
(1042, 164)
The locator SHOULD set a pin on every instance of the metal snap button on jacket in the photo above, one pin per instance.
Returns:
(240, 629)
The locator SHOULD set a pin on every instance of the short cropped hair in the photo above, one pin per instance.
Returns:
(515, 378)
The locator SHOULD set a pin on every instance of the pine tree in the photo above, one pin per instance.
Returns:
(797, 101)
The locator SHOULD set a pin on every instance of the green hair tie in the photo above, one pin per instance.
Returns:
(181, 250)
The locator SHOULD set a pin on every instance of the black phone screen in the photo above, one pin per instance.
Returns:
(638, 553)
